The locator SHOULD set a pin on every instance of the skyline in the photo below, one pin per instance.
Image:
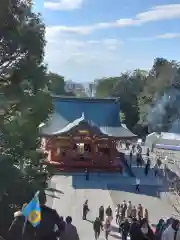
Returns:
(89, 39)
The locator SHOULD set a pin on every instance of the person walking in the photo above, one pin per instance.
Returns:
(146, 215)
(156, 170)
(125, 228)
(138, 160)
(130, 158)
(107, 228)
(147, 167)
(141, 160)
(71, 231)
(146, 170)
(117, 212)
(137, 185)
(101, 214)
(85, 210)
(135, 233)
(140, 212)
(129, 209)
(133, 148)
(109, 214)
(124, 208)
(133, 213)
(97, 226)
(147, 152)
(87, 174)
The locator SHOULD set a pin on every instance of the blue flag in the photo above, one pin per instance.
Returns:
(32, 211)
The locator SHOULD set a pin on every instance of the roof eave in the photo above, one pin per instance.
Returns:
(70, 98)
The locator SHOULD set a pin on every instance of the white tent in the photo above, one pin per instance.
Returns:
(162, 138)
(151, 139)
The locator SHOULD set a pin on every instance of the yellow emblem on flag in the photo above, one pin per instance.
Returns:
(32, 211)
(34, 216)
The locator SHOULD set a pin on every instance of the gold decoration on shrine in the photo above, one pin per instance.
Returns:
(83, 131)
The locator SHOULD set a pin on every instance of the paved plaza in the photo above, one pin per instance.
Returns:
(68, 193)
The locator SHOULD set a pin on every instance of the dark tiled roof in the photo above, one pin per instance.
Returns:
(85, 99)
(98, 113)
(81, 124)
(117, 132)
(103, 112)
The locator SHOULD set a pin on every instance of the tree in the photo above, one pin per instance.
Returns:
(104, 86)
(56, 83)
(122, 117)
(26, 104)
(127, 86)
(148, 99)
(162, 86)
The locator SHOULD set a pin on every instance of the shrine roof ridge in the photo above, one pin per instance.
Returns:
(86, 99)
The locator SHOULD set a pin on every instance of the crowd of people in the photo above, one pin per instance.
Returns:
(124, 213)
(133, 222)
(135, 150)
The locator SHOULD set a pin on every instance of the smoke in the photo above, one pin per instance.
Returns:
(164, 114)
(175, 128)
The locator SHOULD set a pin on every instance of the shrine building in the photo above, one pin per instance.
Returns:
(82, 134)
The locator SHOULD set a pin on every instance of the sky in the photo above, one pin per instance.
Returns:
(90, 39)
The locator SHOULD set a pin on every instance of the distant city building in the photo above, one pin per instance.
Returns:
(71, 86)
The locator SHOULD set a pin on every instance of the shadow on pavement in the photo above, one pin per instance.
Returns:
(153, 191)
(96, 181)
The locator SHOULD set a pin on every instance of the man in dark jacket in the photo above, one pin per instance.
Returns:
(50, 226)
(97, 227)
(71, 231)
(109, 212)
(125, 227)
(101, 213)
(135, 232)
(85, 210)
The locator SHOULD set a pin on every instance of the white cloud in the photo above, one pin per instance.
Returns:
(64, 52)
(161, 36)
(168, 36)
(63, 4)
(158, 13)
(161, 12)
(69, 54)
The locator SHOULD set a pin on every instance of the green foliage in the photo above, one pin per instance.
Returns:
(122, 117)
(56, 83)
(140, 92)
(25, 105)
